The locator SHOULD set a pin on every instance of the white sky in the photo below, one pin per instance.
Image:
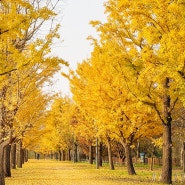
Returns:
(75, 29)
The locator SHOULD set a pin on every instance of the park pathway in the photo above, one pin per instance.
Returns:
(48, 172)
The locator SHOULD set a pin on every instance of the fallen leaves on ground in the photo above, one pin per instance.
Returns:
(48, 172)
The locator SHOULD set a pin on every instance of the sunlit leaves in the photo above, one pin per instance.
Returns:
(140, 45)
(26, 66)
(59, 123)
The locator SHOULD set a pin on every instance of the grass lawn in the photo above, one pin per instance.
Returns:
(46, 172)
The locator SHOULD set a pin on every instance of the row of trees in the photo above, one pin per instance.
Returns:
(133, 84)
(25, 66)
(132, 87)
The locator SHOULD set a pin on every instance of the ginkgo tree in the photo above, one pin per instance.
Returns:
(85, 131)
(151, 37)
(22, 52)
(23, 89)
(29, 122)
(59, 124)
(99, 88)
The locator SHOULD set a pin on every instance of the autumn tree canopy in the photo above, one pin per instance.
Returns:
(25, 66)
(143, 42)
(129, 88)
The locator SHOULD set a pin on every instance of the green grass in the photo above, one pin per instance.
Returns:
(46, 172)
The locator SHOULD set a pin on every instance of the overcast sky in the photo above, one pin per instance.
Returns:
(75, 29)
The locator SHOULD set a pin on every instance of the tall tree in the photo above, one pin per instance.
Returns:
(20, 48)
(59, 124)
(100, 90)
(151, 37)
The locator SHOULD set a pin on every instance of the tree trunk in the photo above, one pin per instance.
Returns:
(75, 152)
(167, 155)
(183, 157)
(152, 163)
(100, 153)
(2, 146)
(129, 162)
(69, 154)
(60, 155)
(51, 155)
(63, 155)
(56, 155)
(138, 149)
(23, 155)
(7, 169)
(167, 137)
(90, 153)
(26, 155)
(19, 155)
(110, 153)
(2, 176)
(97, 154)
(13, 156)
